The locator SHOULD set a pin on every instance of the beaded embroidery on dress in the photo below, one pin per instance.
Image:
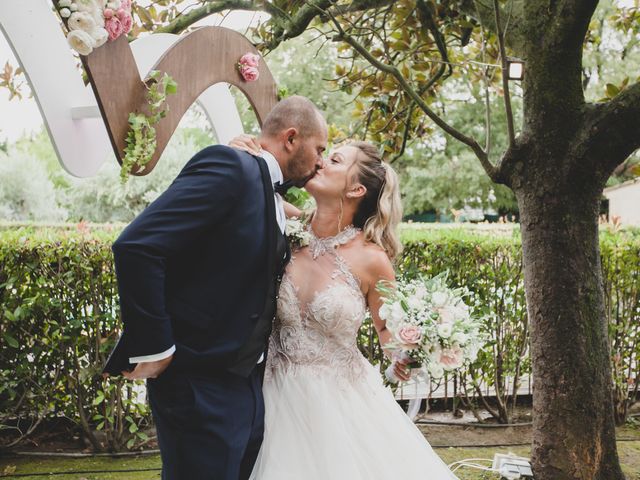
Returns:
(328, 414)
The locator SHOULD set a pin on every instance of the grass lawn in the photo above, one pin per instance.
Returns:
(148, 467)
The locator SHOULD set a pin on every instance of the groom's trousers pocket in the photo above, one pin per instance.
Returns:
(173, 398)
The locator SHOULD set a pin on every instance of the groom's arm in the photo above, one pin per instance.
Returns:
(201, 196)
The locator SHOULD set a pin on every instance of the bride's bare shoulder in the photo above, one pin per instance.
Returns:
(374, 259)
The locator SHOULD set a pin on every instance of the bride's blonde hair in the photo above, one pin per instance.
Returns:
(380, 210)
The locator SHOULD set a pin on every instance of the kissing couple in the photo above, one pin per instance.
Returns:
(249, 345)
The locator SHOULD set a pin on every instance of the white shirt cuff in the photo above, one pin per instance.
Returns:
(261, 359)
(153, 358)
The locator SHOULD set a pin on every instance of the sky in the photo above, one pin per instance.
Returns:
(22, 117)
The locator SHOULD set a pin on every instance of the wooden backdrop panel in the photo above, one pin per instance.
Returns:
(200, 59)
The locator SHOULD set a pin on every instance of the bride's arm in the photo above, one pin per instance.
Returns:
(382, 269)
(249, 143)
(291, 210)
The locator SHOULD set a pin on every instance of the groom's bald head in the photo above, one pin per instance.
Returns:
(294, 112)
(295, 132)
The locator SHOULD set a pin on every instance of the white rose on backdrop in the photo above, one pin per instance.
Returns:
(94, 8)
(81, 42)
(64, 3)
(444, 330)
(100, 36)
(81, 21)
(65, 13)
(439, 299)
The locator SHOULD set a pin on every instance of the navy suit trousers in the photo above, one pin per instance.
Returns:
(209, 427)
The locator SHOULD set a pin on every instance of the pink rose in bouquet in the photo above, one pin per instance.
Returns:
(452, 358)
(410, 335)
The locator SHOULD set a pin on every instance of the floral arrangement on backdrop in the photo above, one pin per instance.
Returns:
(92, 23)
(248, 67)
(431, 323)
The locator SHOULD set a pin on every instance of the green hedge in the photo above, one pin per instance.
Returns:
(59, 320)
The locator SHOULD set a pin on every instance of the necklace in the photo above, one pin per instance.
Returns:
(319, 246)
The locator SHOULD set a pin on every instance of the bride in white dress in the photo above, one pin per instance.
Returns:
(328, 414)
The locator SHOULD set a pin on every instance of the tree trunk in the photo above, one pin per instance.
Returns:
(574, 433)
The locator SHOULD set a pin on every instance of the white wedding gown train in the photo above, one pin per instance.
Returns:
(328, 414)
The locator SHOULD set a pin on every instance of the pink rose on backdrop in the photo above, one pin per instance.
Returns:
(108, 13)
(452, 357)
(250, 60)
(410, 335)
(127, 23)
(126, 4)
(114, 28)
(250, 74)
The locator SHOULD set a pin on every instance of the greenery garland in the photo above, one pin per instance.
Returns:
(141, 138)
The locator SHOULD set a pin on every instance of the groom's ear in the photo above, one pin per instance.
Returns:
(290, 138)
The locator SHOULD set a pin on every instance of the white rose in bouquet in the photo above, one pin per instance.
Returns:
(460, 338)
(398, 315)
(435, 370)
(385, 311)
(447, 315)
(81, 42)
(415, 303)
(445, 330)
(439, 299)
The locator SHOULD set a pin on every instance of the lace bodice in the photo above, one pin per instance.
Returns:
(320, 310)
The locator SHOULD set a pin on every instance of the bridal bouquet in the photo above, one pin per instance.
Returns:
(431, 323)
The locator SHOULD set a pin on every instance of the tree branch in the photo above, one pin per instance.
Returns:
(184, 21)
(483, 12)
(491, 171)
(505, 75)
(289, 27)
(612, 132)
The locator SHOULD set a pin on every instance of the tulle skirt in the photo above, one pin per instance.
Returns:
(319, 426)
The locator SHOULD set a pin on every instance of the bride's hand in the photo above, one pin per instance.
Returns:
(247, 143)
(401, 370)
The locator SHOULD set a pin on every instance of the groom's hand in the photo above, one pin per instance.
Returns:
(146, 370)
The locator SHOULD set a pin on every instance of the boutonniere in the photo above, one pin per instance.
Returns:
(297, 233)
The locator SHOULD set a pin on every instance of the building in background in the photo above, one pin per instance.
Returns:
(624, 202)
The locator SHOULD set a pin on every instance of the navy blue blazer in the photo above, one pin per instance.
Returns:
(198, 268)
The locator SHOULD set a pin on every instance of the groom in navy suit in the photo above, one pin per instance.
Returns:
(198, 273)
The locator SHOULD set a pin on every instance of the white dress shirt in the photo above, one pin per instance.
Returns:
(276, 176)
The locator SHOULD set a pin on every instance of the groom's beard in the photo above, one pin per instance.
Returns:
(303, 182)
